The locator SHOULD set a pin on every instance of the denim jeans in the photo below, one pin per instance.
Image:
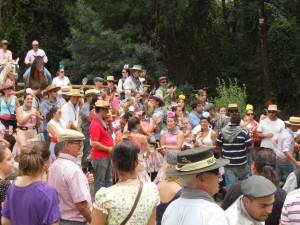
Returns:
(236, 173)
(68, 222)
(284, 168)
(103, 173)
(86, 149)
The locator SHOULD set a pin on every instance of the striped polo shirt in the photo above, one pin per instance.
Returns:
(291, 208)
(235, 151)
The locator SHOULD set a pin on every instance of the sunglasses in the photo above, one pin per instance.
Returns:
(272, 112)
(62, 71)
(250, 114)
(233, 111)
(164, 82)
(76, 142)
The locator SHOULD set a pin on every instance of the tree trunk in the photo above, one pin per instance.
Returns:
(264, 51)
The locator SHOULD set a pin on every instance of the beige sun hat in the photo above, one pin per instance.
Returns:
(232, 105)
(75, 93)
(70, 135)
(110, 78)
(4, 42)
(89, 92)
(136, 67)
(293, 121)
(64, 90)
(52, 87)
(35, 42)
(102, 104)
(272, 108)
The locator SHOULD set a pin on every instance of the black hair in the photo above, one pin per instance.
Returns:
(205, 118)
(125, 155)
(26, 94)
(235, 119)
(265, 163)
(132, 122)
(196, 102)
(52, 111)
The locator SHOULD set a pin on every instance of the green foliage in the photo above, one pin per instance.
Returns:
(230, 92)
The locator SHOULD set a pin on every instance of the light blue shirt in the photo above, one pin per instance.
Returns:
(160, 114)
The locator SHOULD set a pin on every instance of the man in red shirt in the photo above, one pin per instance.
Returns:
(102, 145)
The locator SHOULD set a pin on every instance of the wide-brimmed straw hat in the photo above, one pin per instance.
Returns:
(52, 87)
(64, 90)
(272, 108)
(158, 98)
(293, 121)
(75, 93)
(232, 105)
(196, 161)
(136, 67)
(89, 92)
(102, 104)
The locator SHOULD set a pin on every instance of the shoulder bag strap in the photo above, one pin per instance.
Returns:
(7, 107)
(134, 205)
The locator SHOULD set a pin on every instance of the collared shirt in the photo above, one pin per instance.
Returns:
(69, 112)
(219, 122)
(100, 134)
(84, 113)
(45, 108)
(5, 56)
(291, 209)
(160, 114)
(30, 57)
(71, 184)
(286, 143)
(130, 85)
(195, 206)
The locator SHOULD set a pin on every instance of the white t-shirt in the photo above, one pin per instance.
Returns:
(61, 82)
(269, 126)
(69, 113)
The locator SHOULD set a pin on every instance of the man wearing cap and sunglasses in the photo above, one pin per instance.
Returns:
(167, 93)
(198, 171)
(270, 128)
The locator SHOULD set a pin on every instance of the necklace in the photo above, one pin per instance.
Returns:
(125, 179)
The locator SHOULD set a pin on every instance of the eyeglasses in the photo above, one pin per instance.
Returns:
(164, 82)
(250, 114)
(109, 81)
(272, 112)
(76, 142)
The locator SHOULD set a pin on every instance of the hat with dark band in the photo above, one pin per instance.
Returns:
(196, 161)
(98, 79)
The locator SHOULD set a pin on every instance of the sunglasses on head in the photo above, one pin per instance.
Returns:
(271, 111)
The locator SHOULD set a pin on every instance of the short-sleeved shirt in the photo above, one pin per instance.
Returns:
(5, 56)
(45, 108)
(286, 143)
(100, 134)
(71, 184)
(34, 204)
(290, 214)
(269, 126)
(117, 201)
(84, 113)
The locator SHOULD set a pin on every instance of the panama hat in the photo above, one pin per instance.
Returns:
(64, 90)
(158, 98)
(293, 121)
(110, 78)
(102, 104)
(52, 87)
(35, 42)
(89, 92)
(272, 108)
(74, 93)
(136, 67)
(196, 161)
(232, 105)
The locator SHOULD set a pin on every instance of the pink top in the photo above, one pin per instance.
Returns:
(171, 139)
(29, 123)
(71, 184)
(139, 144)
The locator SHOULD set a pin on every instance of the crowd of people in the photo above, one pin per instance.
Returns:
(150, 161)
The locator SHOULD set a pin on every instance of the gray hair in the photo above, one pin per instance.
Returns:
(188, 181)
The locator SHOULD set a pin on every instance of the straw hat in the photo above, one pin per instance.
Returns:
(136, 67)
(232, 105)
(110, 78)
(52, 87)
(4, 42)
(74, 93)
(159, 99)
(102, 104)
(293, 121)
(272, 108)
(89, 92)
(64, 90)
(35, 42)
